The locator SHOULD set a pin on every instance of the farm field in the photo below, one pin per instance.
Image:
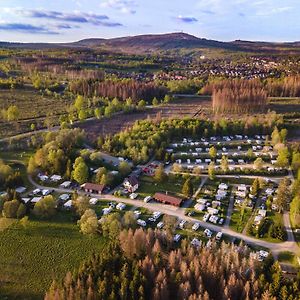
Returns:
(32, 256)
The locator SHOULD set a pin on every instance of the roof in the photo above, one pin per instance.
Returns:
(93, 186)
(132, 180)
(167, 199)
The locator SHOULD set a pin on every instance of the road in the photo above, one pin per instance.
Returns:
(275, 248)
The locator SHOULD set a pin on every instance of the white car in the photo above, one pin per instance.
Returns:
(147, 199)
(133, 196)
(206, 217)
(177, 238)
(182, 223)
(208, 233)
(196, 226)
(160, 225)
(219, 235)
(141, 222)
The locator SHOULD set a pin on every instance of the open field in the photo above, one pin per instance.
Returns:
(183, 107)
(33, 108)
(33, 256)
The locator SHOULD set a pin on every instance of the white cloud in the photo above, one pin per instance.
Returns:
(124, 6)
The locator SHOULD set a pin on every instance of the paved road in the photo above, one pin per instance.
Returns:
(275, 248)
(275, 179)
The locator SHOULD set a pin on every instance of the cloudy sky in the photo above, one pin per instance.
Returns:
(71, 20)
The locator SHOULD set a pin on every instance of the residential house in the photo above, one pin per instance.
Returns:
(131, 184)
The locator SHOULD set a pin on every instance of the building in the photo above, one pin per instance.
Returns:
(131, 184)
(167, 199)
(93, 188)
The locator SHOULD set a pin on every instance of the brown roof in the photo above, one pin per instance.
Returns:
(93, 186)
(132, 180)
(161, 197)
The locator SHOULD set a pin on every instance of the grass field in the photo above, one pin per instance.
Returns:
(33, 256)
(236, 223)
(174, 186)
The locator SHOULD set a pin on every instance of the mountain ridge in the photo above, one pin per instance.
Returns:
(166, 41)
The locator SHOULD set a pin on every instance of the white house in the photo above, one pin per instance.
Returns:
(200, 207)
(66, 184)
(131, 184)
(56, 178)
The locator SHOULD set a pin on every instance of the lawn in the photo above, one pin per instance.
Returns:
(174, 186)
(33, 256)
(236, 223)
(287, 256)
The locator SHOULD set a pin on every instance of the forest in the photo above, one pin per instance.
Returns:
(146, 265)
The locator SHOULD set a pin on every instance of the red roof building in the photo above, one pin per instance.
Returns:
(93, 188)
(168, 199)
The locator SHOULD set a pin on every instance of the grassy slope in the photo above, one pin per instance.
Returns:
(31, 257)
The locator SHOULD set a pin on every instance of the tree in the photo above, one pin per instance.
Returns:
(45, 208)
(211, 171)
(124, 168)
(21, 211)
(80, 103)
(295, 211)
(80, 172)
(154, 101)
(224, 163)
(170, 222)
(255, 187)
(283, 135)
(10, 209)
(82, 115)
(129, 220)
(88, 222)
(177, 168)
(258, 163)
(98, 113)
(141, 104)
(295, 161)
(213, 152)
(81, 204)
(283, 157)
(187, 188)
(276, 139)
(13, 113)
(160, 175)
(283, 194)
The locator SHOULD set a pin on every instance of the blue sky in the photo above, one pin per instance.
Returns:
(71, 20)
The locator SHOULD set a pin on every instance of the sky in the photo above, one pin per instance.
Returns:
(224, 20)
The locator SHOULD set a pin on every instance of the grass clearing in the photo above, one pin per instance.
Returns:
(149, 187)
(236, 223)
(32, 257)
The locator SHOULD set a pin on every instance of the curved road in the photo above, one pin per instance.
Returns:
(275, 248)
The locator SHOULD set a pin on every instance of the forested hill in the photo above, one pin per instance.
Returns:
(163, 42)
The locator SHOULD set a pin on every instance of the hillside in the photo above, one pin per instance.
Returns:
(163, 42)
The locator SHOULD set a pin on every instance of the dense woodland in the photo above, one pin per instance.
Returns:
(119, 89)
(237, 96)
(144, 265)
